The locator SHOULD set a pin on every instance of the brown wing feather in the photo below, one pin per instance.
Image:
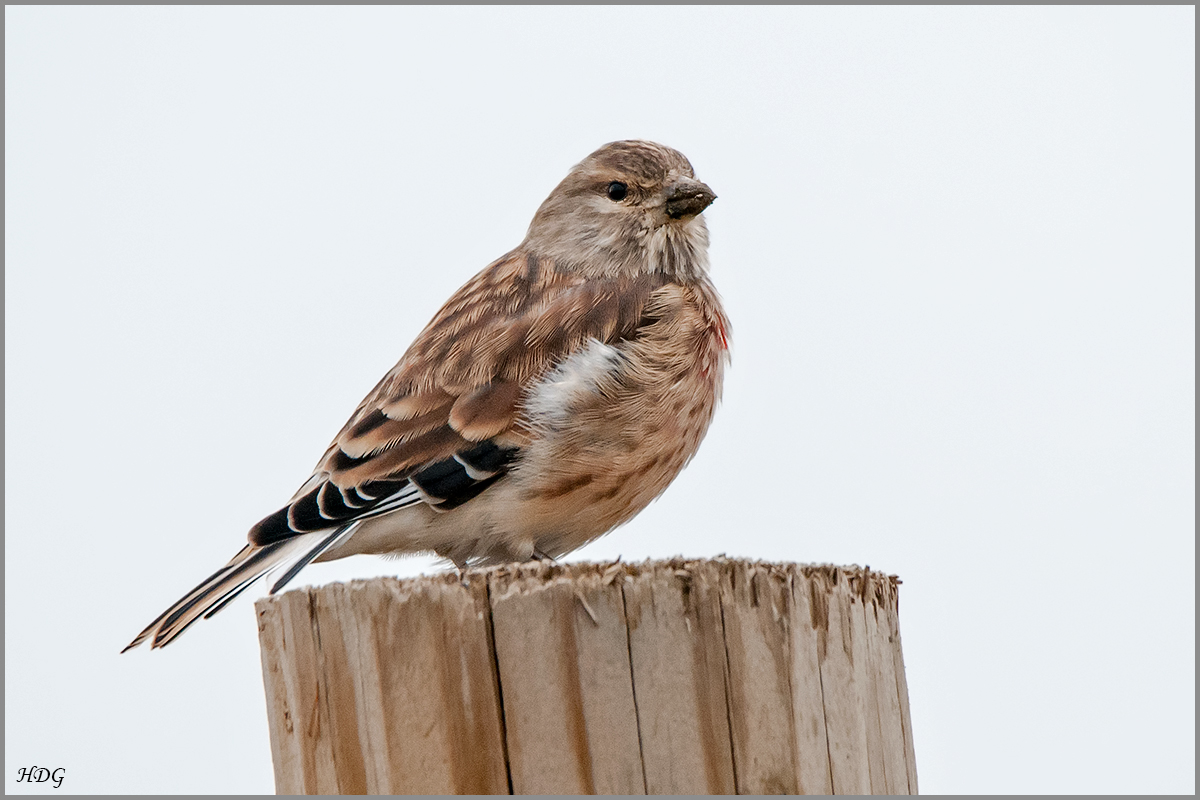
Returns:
(463, 379)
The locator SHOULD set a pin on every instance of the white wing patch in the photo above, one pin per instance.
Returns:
(581, 375)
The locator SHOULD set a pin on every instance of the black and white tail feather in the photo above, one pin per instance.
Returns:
(293, 537)
(249, 565)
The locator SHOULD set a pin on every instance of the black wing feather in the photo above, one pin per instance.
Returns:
(445, 485)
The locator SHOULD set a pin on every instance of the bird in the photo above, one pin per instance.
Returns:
(550, 400)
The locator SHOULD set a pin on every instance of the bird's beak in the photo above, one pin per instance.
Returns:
(687, 197)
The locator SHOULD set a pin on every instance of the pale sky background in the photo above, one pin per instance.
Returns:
(956, 245)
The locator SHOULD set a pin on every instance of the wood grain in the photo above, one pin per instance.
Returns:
(562, 647)
(677, 650)
(666, 677)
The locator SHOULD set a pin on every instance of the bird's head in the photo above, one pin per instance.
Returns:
(630, 207)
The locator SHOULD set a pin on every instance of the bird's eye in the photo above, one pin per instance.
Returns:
(617, 191)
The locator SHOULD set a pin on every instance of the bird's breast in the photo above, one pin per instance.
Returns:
(614, 423)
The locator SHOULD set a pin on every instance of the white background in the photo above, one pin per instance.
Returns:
(957, 247)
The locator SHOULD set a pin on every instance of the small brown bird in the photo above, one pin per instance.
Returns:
(550, 400)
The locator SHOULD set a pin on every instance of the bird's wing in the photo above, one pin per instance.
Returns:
(445, 422)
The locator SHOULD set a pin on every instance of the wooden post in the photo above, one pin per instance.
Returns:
(667, 677)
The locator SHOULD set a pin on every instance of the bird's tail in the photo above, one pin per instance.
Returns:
(250, 564)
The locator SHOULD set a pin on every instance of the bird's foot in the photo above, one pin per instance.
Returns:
(460, 570)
